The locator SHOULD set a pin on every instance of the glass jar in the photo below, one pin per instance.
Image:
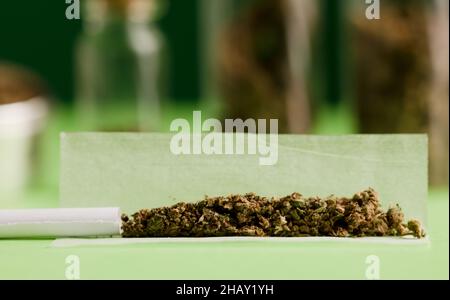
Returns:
(401, 73)
(256, 59)
(119, 66)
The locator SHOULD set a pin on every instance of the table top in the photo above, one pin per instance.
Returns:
(38, 259)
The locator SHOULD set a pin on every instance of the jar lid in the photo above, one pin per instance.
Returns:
(133, 10)
(19, 84)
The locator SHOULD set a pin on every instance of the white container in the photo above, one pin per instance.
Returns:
(20, 124)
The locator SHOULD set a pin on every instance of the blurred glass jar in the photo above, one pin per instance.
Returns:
(257, 59)
(401, 73)
(23, 112)
(120, 66)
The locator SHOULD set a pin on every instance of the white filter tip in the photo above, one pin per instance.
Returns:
(60, 222)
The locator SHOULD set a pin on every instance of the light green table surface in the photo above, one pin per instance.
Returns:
(36, 259)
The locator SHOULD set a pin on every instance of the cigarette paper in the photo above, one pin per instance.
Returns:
(60, 222)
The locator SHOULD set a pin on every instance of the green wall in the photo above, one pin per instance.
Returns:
(38, 35)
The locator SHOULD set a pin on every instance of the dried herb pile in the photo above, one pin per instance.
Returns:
(290, 216)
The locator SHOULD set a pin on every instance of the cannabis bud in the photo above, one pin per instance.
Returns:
(290, 216)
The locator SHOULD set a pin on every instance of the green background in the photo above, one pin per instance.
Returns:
(38, 35)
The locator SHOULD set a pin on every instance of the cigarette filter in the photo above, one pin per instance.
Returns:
(60, 222)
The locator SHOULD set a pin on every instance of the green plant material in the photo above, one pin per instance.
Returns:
(290, 216)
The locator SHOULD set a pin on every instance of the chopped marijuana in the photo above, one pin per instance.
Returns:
(290, 216)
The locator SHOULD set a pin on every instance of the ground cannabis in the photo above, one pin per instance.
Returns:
(290, 216)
